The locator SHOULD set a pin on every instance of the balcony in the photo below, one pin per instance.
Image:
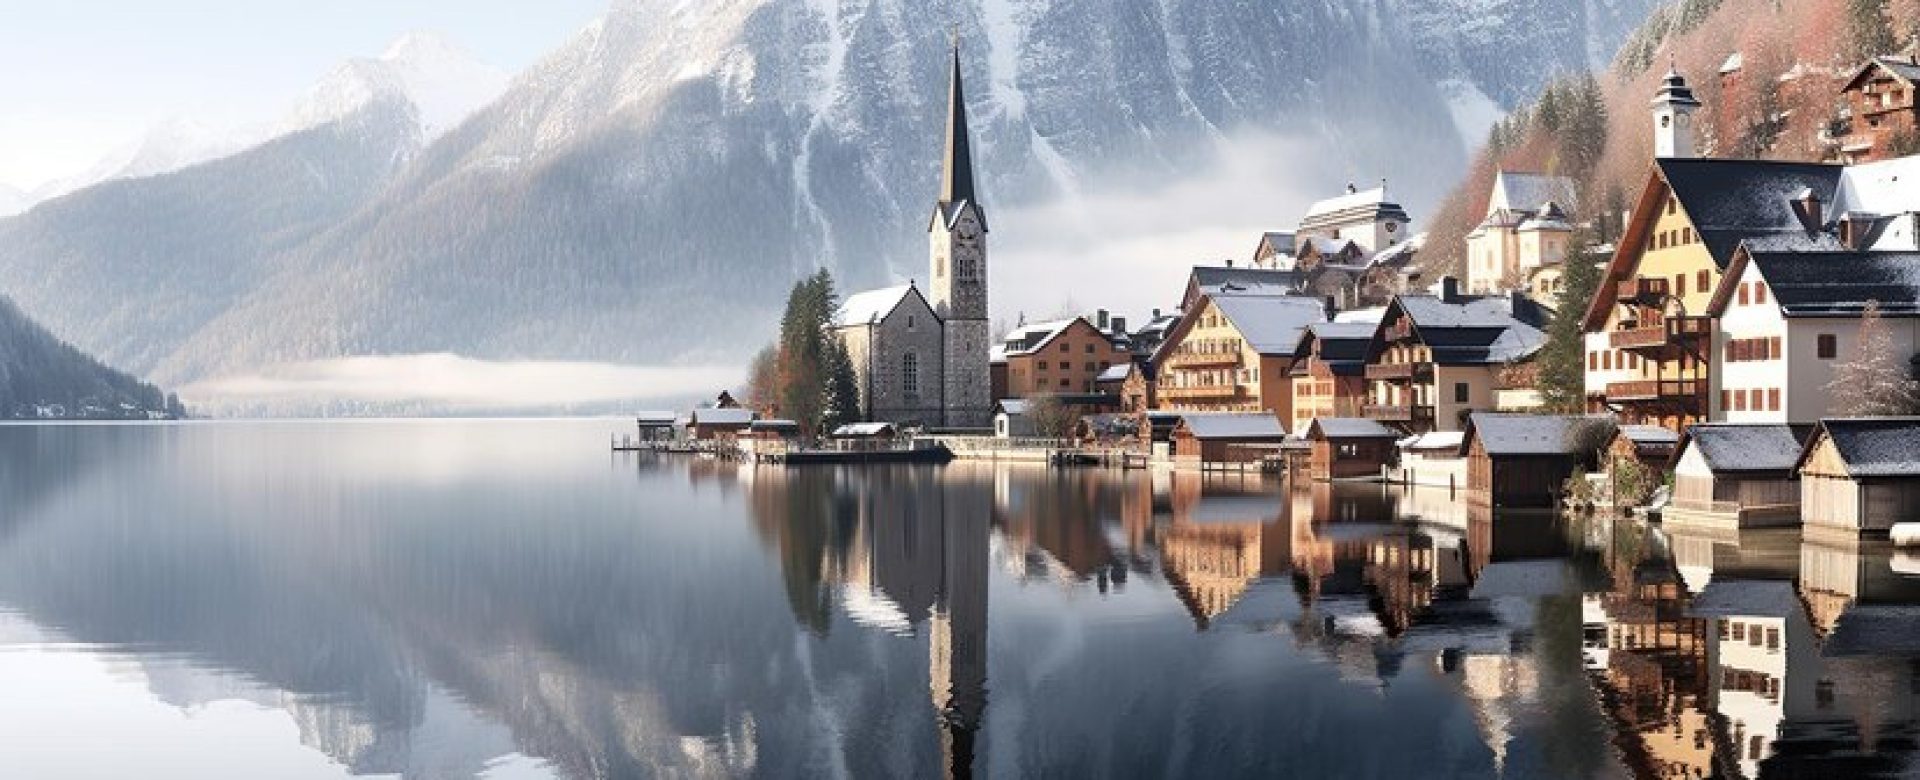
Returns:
(1666, 336)
(1643, 292)
(1204, 393)
(1397, 413)
(1184, 360)
(1400, 372)
(1655, 390)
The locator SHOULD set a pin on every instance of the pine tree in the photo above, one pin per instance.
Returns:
(843, 387)
(1563, 378)
(1869, 30)
(1875, 381)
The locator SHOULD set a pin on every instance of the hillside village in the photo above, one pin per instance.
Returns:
(1735, 299)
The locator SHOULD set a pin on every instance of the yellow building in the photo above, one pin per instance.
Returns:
(1234, 353)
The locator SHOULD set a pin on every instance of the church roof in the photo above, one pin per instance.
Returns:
(1355, 206)
(870, 307)
(1522, 191)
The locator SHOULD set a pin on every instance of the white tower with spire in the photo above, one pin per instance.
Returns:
(1673, 109)
(957, 237)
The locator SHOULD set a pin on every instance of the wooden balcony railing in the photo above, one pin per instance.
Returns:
(1655, 390)
(1668, 333)
(1181, 360)
(1399, 372)
(1203, 393)
(1643, 291)
(1397, 413)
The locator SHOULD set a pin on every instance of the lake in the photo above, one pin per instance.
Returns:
(508, 599)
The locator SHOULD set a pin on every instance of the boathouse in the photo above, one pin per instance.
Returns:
(1729, 476)
(1227, 437)
(1349, 448)
(656, 426)
(1433, 459)
(1650, 445)
(721, 423)
(1860, 476)
(1521, 461)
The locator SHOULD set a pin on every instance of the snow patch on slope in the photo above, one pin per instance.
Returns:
(1474, 114)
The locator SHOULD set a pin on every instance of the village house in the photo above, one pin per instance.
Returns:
(1526, 229)
(719, 424)
(1730, 476)
(1522, 461)
(1329, 371)
(1349, 448)
(1879, 122)
(1860, 476)
(1367, 218)
(1435, 359)
(1226, 437)
(1209, 281)
(1275, 250)
(1785, 320)
(1054, 358)
(1235, 353)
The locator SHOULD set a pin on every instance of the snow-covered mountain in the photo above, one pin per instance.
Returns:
(647, 193)
(442, 81)
(13, 200)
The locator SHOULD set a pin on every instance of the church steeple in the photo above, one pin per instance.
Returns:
(956, 179)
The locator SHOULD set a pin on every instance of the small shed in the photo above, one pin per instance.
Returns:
(1348, 448)
(1729, 476)
(1228, 437)
(656, 426)
(1433, 459)
(1521, 461)
(1861, 475)
(711, 424)
(1651, 445)
(774, 430)
(1011, 419)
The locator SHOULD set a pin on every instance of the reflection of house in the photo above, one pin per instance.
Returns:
(1434, 360)
(1345, 448)
(1522, 461)
(1861, 476)
(1729, 475)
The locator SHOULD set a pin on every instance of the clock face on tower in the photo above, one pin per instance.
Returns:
(967, 231)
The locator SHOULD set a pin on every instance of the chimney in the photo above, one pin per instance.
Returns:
(1810, 210)
(1100, 320)
(1449, 289)
(1156, 314)
(1229, 262)
(1120, 326)
(1332, 306)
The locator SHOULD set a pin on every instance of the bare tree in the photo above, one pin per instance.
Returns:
(1052, 419)
(1874, 381)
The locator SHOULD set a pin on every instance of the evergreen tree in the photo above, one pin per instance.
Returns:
(1875, 381)
(843, 387)
(1563, 378)
(1869, 31)
(814, 381)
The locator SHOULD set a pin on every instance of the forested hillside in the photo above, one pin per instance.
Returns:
(44, 377)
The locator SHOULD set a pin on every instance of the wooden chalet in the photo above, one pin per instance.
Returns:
(1859, 476)
(1349, 448)
(719, 423)
(1880, 108)
(1435, 359)
(1730, 476)
(1522, 461)
(1227, 437)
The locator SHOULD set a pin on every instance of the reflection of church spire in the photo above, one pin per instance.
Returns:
(957, 647)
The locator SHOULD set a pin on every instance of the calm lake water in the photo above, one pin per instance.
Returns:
(508, 599)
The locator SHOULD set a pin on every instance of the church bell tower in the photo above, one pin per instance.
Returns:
(1673, 109)
(957, 238)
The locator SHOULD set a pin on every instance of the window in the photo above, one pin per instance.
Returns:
(1726, 400)
(1679, 284)
(910, 374)
(1686, 235)
(1672, 204)
(1593, 361)
(1760, 292)
(1066, 347)
(1703, 281)
(1064, 383)
(1773, 399)
(1743, 295)
(1461, 392)
(1829, 346)
(1606, 360)
(1043, 365)
(1773, 344)
(1089, 349)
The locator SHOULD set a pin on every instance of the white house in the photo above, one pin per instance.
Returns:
(1365, 217)
(1786, 319)
(1526, 228)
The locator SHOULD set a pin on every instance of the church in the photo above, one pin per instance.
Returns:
(921, 356)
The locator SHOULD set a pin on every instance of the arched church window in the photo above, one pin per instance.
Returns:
(910, 374)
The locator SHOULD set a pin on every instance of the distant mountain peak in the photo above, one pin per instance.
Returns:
(444, 82)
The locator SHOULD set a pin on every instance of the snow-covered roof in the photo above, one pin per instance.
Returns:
(1369, 316)
(1733, 64)
(1521, 191)
(1839, 284)
(1029, 339)
(722, 416)
(1730, 201)
(1548, 217)
(1354, 203)
(871, 306)
(1476, 331)
(1324, 245)
(1235, 425)
(1116, 373)
(1217, 281)
(1876, 447)
(1725, 598)
(1438, 440)
(1884, 187)
(1747, 448)
(1349, 428)
(1536, 434)
(1647, 435)
(1014, 406)
(656, 419)
(1271, 325)
(863, 430)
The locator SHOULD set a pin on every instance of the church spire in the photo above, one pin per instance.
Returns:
(956, 179)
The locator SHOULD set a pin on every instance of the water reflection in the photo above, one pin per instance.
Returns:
(465, 599)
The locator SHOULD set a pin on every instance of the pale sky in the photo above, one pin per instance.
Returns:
(79, 78)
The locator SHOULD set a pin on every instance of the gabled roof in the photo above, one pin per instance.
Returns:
(1747, 449)
(872, 306)
(1829, 284)
(1271, 326)
(1745, 598)
(722, 416)
(1436, 440)
(1219, 281)
(1354, 206)
(1472, 331)
(1872, 447)
(1901, 68)
(1334, 428)
(1116, 373)
(1649, 435)
(1029, 339)
(1520, 191)
(1343, 345)
(1234, 425)
(1536, 434)
(656, 419)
